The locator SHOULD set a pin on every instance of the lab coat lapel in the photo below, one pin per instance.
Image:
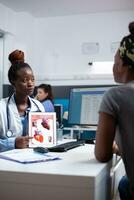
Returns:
(14, 118)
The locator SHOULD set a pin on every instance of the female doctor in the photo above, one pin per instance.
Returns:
(14, 110)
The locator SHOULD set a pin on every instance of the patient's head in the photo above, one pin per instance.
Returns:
(123, 68)
(126, 49)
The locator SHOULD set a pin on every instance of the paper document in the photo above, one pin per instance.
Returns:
(26, 156)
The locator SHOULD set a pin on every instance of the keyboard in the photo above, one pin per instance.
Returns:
(66, 146)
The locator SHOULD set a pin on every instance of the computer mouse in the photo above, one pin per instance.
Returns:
(41, 149)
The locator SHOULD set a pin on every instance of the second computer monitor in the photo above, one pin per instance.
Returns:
(84, 105)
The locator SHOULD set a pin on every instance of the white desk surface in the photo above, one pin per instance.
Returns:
(75, 176)
(78, 161)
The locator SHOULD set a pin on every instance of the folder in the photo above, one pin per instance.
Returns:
(27, 156)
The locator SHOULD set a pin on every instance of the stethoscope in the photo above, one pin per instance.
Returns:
(9, 133)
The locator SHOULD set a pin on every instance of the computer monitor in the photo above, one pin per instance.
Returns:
(84, 105)
(59, 112)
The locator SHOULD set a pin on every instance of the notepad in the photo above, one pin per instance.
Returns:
(27, 156)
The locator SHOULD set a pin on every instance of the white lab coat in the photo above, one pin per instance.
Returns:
(14, 121)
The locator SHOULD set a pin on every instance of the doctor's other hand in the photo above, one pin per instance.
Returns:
(22, 142)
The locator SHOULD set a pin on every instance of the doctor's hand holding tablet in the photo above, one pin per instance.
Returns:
(22, 142)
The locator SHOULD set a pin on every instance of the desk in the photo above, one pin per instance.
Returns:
(117, 172)
(78, 176)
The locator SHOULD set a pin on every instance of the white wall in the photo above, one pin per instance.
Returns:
(18, 29)
(59, 41)
(7, 19)
(7, 26)
(53, 46)
(22, 38)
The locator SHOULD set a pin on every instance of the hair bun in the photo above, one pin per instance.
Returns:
(16, 56)
(131, 28)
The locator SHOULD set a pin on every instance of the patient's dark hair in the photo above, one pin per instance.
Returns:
(126, 49)
(131, 28)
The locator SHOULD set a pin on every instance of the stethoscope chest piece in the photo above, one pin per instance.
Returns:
(9, 133)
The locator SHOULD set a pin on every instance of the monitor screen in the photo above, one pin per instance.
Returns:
(59, 112)
(84, 105)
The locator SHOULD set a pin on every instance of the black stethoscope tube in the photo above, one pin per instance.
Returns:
(9, 133)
